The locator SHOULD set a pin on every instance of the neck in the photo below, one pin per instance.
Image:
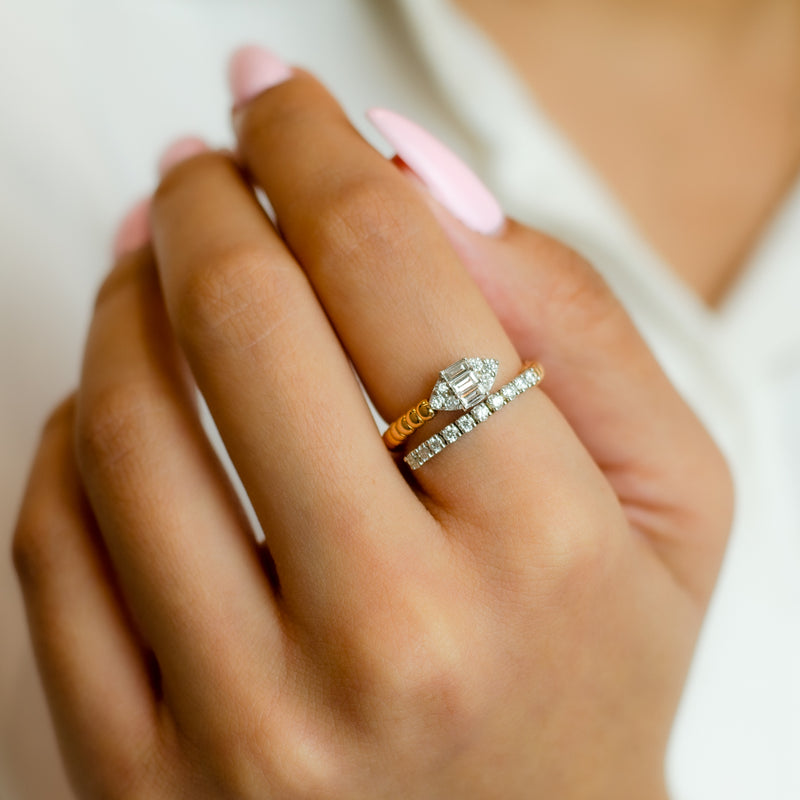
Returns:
(715, 17)
(690, 109)
(712, 26)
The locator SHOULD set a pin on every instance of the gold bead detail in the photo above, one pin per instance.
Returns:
(411, 421)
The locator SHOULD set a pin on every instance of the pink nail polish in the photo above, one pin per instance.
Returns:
(254, 69)
(446, 176)
(180, 150)
(134, 230)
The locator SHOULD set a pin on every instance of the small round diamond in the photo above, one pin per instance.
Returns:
(450, 434)
(496, 402)
(520, 384)
(480, 413)
(435, 445)
(531, 376)
(509, 391)
(413, 460)
(465, 423)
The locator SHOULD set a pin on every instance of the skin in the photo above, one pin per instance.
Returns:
(515, 620)
(688, 109)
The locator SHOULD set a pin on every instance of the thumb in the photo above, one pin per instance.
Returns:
(666, 471)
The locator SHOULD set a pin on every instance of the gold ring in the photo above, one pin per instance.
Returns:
(531, 376)
(462, 385)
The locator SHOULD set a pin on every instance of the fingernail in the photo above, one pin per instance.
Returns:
(134, 230)
(180, 150)
(254, 69)
(451, 182)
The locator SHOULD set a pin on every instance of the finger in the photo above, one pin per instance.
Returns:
(95, 672)
(400, 300)
(186, 562)
(367, 243)
(663, 465)
(279, 387)
(134, 230)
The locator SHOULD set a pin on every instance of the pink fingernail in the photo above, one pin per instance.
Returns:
(445, 175)
(134, 230)
(254, 69)
(180, 150)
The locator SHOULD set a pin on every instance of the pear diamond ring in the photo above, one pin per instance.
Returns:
(460, 387)
(530, 376)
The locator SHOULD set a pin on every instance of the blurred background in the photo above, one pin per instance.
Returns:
(91, 92)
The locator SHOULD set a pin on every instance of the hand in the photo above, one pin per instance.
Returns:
(514, 619)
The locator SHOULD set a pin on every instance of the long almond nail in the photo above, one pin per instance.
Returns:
(451, 182)
(180, 150)
(254, 69)
(134, 230)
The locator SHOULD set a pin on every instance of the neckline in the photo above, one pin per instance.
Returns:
(574, 202)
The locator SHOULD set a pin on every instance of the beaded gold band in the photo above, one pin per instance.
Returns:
(411, 421)
(530, 376)
(461, 386)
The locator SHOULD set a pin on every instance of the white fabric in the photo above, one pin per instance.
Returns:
(91, 91)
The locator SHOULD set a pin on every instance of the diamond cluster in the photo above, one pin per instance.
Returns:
(464, 384)
(530, 377)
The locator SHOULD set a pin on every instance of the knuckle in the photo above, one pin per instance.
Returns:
(362, 212)
(597, 541)
(433, 688)
(417, 664)
(234, 298)
(579, 296)
(182, 177)
(265, 123)
(307, 770)
(435, 702)
(576, 547)
(60, 419)
(246, 747)
(135, 770)
(31, 552)
(586, 556)
(129, 271)
(293, 114)
(109, 427)
(298, 763)
(37, 543)
(39, 527)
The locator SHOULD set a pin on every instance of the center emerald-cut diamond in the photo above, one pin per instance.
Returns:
(464, 384)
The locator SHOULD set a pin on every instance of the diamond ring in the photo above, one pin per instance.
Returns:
(530, 376)
(461, 386)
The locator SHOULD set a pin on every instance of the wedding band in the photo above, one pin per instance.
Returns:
(530, 376)
(462, 385)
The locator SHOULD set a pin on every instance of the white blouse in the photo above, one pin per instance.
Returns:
(90, 92)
